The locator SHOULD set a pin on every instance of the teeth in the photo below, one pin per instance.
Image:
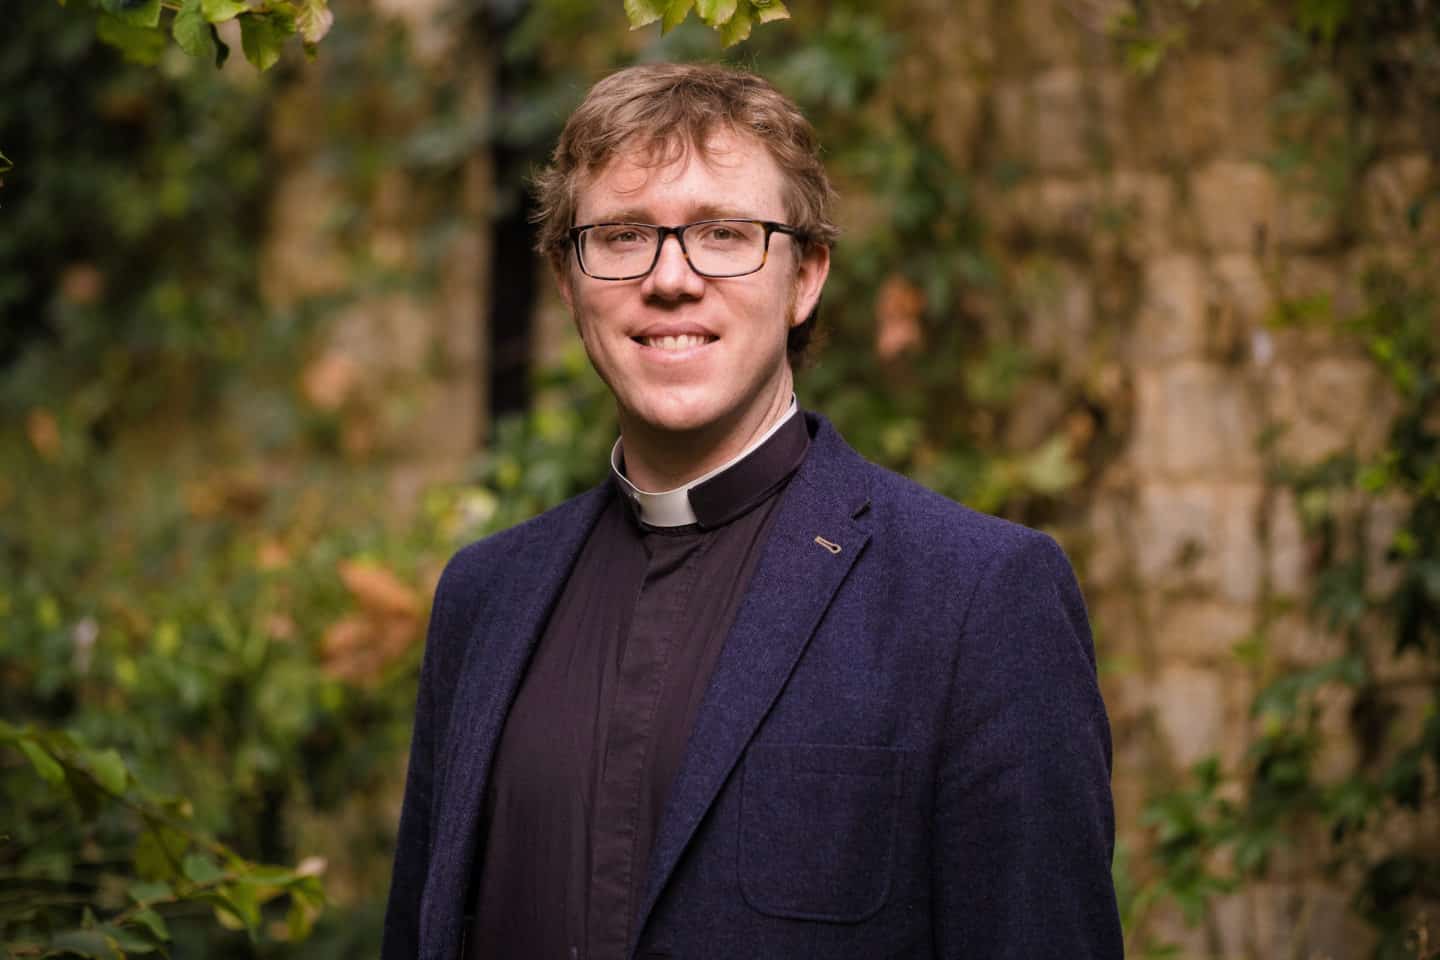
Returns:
(683, 342)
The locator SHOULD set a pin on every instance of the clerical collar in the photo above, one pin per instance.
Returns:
(731, 488)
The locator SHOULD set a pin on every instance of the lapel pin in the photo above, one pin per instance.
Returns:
(832, 547)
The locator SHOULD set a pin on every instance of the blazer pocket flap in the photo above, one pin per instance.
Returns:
(817, 830)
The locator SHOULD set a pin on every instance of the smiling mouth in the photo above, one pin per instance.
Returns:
(684, 341)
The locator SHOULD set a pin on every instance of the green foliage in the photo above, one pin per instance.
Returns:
(171, 592)
(142, 859)
(734, 19)
(142, 29)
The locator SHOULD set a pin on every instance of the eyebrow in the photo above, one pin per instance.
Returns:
(706, 211)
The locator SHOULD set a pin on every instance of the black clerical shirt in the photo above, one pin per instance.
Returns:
(599, 725)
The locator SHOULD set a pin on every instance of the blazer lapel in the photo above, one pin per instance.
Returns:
(495, 659)
(789, 593)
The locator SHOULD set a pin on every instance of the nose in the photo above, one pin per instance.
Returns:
(672, 277)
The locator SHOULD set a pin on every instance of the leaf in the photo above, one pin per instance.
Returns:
(737, 28)
(5, 165)
(201, 870)
(157, 851)
(715, 13)
(222, 49)
(153, 922)
(150, 892)
(314, 20)
(769, 10)
(193, 32)
(127, 941)
(84, 943)
(109, 770)
(47, 766)
(675, 14)
(139, 44)
(262, 36)
(300, 919)
(218, 11)
(136, 13)
(643, 12)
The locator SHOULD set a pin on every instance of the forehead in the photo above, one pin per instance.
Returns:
(732, 174)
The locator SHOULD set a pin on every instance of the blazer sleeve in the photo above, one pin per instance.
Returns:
(1025, 825)
(412, 849)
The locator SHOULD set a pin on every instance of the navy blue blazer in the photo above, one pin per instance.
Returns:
(902, 751)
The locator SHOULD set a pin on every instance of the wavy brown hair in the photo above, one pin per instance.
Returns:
(665, 110)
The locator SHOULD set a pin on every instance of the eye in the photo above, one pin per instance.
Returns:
(726, 233)
(619, 236)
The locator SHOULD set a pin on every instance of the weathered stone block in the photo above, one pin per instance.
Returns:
(1177, 535)
(1047, 123)
(1108, 560)
(1189, 705)
(1235, 206)
(1195, 99)
(1046, 32)
(1389, 196)
(1289, 920)
(1305, 219)
(1241, 560)
(1171, 321)
(1059, 307)
(1050, 209)
(1289, 554)
(1200, 631)
(1060, 128)
(1296, 639)
(1195, 420)
(1241, 288)
(1385, 518)
(1327, 406)
(1143, 208)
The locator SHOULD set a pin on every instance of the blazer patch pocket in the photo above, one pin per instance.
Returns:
(817, 830)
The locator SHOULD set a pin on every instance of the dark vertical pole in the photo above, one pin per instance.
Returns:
(512, 268)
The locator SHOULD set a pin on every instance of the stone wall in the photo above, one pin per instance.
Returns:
(1155, 238)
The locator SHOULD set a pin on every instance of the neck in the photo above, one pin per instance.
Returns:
(660, 460)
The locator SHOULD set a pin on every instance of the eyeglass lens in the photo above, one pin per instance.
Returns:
(716, 248)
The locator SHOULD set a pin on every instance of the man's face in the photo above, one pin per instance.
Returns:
(683, 353)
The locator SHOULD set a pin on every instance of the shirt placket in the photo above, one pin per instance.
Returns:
(619, 810)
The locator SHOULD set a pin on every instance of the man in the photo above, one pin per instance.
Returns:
(752, 697)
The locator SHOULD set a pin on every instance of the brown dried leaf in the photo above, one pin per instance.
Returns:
(379, 591)
(44, 432)
(82, 284)
(329, 380)
(898, 308)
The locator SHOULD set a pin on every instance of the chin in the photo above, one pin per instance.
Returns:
(679, 414)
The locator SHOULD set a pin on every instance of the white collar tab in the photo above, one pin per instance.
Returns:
(672, 508)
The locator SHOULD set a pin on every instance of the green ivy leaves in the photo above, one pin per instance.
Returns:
(733, 19)
(174, 865)
(138, 28)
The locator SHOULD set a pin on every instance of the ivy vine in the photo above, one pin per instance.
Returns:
(142, 29)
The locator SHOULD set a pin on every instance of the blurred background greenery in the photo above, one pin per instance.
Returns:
(273, 345)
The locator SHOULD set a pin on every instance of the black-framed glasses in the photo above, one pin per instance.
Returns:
(713, 248)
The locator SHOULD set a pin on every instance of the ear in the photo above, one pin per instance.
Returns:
(810, 276)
